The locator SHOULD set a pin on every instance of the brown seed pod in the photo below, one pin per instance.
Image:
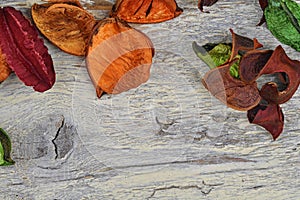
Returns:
(4, 68)
(67, 26)
(119, 57)
(147, 11)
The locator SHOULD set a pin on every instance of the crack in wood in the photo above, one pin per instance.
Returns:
(204, 190)
(56, 136)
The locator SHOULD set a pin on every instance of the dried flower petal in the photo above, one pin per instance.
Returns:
(268, 116)
(25, 51)
(241, 43)
(278, 63)
(146, 11)
(231, 91)
(252, 63)
(4, 68)
(119, 57)
(65, 25)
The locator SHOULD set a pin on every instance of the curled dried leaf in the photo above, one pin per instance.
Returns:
(4, 68)
(118, 57)
(268, 116)
(65, 25)
(24, 51)
(146, 11)
(229, 90)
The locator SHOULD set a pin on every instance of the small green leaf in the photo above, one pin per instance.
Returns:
(283, 17)
(217, 56)
(5, 149)
(203, 55)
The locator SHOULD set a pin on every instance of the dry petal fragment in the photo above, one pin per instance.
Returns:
(4, 68)
(146, 11)
(268, 116)
(119, 57)
(65, 25)
(24, 51)
(202, 3)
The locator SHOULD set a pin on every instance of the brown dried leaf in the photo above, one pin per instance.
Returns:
(146, 11)
(67, 26)
(118, 57)
(231, 91)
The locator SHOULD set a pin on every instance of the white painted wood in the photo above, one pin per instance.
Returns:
(167, 139)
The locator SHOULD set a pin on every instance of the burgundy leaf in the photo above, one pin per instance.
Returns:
(268, 116)
(279, 62)
(25, 52)
(252, 63)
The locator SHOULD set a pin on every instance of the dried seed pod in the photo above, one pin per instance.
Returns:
(229, 90)
(65, 25)
(24, 51)
(4, 68)
(147, 11)
(118, 57)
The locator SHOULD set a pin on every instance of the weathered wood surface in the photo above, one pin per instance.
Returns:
(167, 139)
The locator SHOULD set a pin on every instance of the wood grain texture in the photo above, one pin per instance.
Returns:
(167, 139)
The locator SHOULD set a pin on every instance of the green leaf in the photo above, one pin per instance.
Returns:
(283, 17)
(5, 149)
(216, 56)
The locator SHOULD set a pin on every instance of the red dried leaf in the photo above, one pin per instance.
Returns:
(231, 91)
(119, 57)
(146, 11)
(268, 116)
(202, 3)
(25, 51)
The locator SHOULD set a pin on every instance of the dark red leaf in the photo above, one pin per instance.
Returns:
(279, 62)
(25, 52)
(252, 63)
(268, 116)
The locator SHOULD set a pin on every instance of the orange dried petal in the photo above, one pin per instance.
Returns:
(4, 68)
(118, 57)
(147, 11)
(66, 26)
